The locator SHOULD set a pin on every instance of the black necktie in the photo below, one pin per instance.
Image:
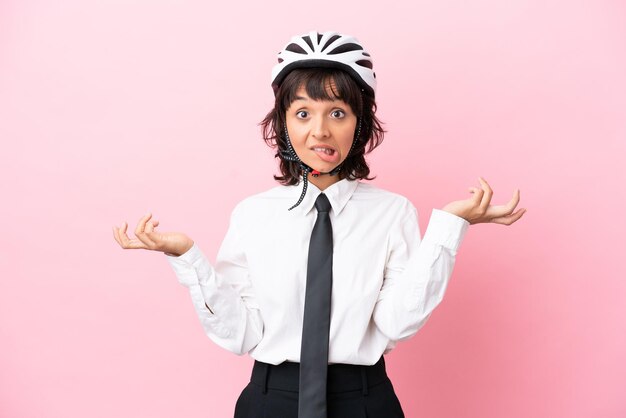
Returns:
(316, 324)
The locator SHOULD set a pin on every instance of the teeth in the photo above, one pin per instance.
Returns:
(326, 150)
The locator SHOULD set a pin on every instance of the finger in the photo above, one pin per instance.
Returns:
(121, 234)
(504, 210)
(141, 225)
(149, 235)
(486, 200)
(509, 219)
(127, 242)
(150, 230)
(116, 236)
(140, 231)
(145, 238)
(514, 201)
(122, 238)
(478, 195)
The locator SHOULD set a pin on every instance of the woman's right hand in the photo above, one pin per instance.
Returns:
(148, 238)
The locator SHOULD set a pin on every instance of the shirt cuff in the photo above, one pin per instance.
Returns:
(446, 229)
(184, 265)
(189, 257)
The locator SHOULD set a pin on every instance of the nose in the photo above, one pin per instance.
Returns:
(319, 127)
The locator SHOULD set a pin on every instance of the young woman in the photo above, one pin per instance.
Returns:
(319, 277)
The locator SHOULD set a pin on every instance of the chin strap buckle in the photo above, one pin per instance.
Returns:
(315, 173)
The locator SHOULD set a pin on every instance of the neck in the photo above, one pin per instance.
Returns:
(323, 181)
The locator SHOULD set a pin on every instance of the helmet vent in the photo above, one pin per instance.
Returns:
(330, 41)
(295, 48)
(307, 39)
(365, 63)
(345, 48)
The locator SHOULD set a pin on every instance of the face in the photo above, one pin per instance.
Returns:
(321, 131)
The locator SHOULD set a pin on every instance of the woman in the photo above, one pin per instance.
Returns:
(318, 296)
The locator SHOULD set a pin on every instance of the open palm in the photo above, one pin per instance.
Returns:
(148, 238)
(478, 210)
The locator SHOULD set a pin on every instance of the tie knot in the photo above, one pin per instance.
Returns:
(322, 204)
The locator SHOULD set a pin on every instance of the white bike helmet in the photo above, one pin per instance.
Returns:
(326, 50)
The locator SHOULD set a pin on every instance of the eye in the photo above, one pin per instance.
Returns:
(338, 113)
(302, 114)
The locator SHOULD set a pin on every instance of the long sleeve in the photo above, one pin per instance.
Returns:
(417, 271)
(233, 321)
(388, 279)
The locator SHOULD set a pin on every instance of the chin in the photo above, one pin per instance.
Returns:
(323, 167)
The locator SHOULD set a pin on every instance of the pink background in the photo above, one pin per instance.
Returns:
(110, 109)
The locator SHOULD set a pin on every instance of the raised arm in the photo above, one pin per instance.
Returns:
(222, 295)
(417, 271)
(233, 320)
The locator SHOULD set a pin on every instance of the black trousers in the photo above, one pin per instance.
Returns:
(353, 392)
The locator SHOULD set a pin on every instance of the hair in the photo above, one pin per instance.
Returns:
(316, 82)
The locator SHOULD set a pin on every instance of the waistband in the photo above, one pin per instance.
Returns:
(341, 377)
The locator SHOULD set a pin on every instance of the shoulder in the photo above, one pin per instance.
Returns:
(264, 201)
(394, 203)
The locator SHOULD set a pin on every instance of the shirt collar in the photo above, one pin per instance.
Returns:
(338, 195)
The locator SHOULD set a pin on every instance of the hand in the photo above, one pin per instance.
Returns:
(477, 209)
(171, 243)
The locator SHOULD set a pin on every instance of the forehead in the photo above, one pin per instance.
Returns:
(330, 90)
(315, 85)
(302, 95)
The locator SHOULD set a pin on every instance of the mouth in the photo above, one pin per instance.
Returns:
(326, 153)
(323, 148)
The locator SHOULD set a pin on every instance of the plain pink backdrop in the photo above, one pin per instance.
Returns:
(110, 109)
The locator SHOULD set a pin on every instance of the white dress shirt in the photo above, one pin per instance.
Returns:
(386, 279)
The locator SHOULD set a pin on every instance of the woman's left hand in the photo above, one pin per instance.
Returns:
(477, 209)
